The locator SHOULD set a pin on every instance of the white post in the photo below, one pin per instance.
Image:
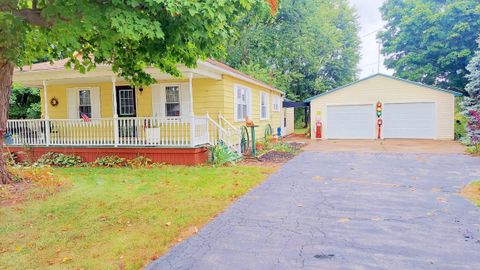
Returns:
(207, 123)
(192, 130)
(192, 117)
(46, 116)
(115, 114)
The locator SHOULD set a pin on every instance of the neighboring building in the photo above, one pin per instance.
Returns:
(171, 121)
(409, 110)
(289, 120)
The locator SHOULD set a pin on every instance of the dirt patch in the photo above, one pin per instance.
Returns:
(388, 146)
(472, 192)
(13, 194)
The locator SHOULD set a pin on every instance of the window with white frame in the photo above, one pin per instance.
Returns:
(242, 102)
(263, 105)
(276, 103)
(172, 101)
(84, 103)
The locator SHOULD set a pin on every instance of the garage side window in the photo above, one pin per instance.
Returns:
(242, 102)
(263, 105)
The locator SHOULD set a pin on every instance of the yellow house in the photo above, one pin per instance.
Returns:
(99, 110)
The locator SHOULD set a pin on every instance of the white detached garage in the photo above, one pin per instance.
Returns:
(409, 110)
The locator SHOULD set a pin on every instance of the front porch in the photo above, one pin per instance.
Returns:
(167, 140)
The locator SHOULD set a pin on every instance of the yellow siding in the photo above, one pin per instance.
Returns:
(106, 99)
(389, 90)
(274, 116)
(208, 97)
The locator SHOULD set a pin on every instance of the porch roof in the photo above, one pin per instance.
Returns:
(57, 73)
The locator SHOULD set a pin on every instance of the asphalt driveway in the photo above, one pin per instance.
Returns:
(346, 210)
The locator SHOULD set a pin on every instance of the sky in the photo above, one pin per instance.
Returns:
(370, 21)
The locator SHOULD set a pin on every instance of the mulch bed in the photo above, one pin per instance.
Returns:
(276, 156)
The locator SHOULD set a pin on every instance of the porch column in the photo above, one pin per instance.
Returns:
(115, 114)
(192, 118)
(46, 116)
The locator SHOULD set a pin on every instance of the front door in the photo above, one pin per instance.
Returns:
(126, 107)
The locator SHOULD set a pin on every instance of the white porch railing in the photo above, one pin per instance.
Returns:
(135, 131)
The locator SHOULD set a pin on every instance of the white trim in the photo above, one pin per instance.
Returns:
(267, 116)
(45, 97)
(239, 76)
(276, 100)
(163, 101)
(114, 96)
(77, 101)
(248, 94)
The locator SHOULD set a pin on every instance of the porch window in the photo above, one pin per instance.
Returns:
(126, 102)
(172, 100)
(242, 102)
(263, 105)
(85, 103)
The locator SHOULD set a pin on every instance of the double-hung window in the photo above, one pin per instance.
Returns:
(276, 103)
(263, 105)
(172, 100)
(84, 103)
(242, 102)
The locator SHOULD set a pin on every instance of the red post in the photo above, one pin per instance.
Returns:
(318, 131)
(379, 124)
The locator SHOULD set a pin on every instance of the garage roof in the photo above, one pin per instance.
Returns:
(386, 76)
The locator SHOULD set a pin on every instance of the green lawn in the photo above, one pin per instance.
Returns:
(117, 218)
(300, 130)
(472, 192)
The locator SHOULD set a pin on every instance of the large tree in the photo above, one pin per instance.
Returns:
(24, 103)
(129, 35)
(309, 47)
(471, 103)
(431, 41)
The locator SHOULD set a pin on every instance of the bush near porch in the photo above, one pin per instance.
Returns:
(117, 218)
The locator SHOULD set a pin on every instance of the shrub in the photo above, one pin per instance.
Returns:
(59, 160)
(10, 158)
(473, 129)
(109, 161)
(222, 155)
(39, 175)
(139, 161)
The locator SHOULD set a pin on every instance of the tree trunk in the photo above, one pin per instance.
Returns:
(6, 76)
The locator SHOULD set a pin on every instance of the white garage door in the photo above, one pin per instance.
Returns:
(350, 122)
(409, 120)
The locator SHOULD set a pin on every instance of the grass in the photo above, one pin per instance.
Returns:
(117, 218)
(300, 130)
(472, 192)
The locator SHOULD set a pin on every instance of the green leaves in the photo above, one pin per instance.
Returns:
(309, 47)
(431, 41)
(130, 35)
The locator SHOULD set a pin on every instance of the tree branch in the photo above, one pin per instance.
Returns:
(33, 17)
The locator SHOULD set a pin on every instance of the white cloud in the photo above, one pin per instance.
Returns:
(370, 21)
